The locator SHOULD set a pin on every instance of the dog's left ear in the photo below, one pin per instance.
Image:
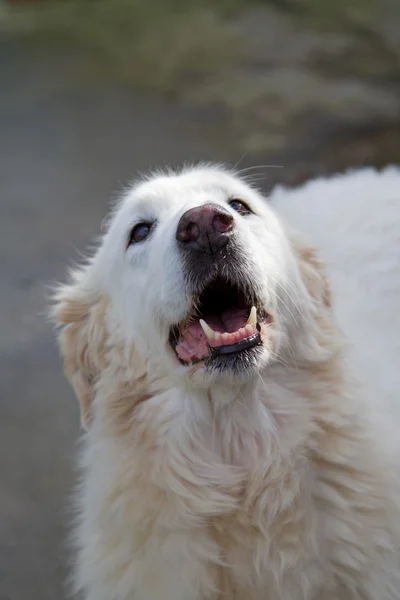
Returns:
(79, 313)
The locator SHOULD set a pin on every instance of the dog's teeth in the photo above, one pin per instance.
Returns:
(210, 333)
(252, 320)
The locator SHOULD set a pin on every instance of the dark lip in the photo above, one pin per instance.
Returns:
(254, 340)
(230, 358)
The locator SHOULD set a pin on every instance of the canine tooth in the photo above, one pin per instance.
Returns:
(210, 333)
(252, 320)
(216, 340)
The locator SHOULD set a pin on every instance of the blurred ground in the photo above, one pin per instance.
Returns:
(278, 83)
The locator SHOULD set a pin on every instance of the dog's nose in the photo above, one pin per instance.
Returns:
(205, 228)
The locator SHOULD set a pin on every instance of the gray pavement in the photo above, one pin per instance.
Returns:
(69, 140)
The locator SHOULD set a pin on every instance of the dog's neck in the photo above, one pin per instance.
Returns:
(256, 444)
(275, 412)
(279, 410)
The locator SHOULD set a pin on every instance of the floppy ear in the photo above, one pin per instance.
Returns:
(79, 313)
(321, 338)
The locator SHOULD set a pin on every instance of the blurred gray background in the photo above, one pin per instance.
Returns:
(93, 92)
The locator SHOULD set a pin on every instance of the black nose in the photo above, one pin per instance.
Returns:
(205, 228)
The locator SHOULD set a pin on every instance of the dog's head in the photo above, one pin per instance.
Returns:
(195, 280)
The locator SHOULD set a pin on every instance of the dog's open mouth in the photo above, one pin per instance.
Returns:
(225, 321)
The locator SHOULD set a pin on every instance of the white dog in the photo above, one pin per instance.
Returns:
(232, 450)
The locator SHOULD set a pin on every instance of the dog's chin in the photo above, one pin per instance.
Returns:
(238, 366)
(235, 370)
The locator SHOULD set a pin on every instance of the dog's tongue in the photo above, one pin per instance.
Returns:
(231, 324)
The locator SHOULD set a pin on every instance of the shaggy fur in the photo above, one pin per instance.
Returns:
(278, 483)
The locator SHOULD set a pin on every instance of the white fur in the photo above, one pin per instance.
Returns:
(280, 484)
(354, 221)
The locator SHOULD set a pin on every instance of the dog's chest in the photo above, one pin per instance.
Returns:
(261, 563)
(266, 530)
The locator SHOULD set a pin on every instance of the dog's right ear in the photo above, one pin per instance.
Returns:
(79, 314)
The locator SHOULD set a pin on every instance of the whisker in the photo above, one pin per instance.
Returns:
(289, 283)
(263, 382)
(214, 428)
(253, 178)
(285, 305)
(280, 360)
(296, 306)
(240, 404)
(240, 160)
(254, 167)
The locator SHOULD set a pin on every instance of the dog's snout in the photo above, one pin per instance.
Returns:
(205, 228)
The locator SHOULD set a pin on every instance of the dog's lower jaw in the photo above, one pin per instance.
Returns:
(222, 381)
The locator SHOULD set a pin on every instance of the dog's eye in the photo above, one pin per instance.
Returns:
(240, 207)
(139, 233)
